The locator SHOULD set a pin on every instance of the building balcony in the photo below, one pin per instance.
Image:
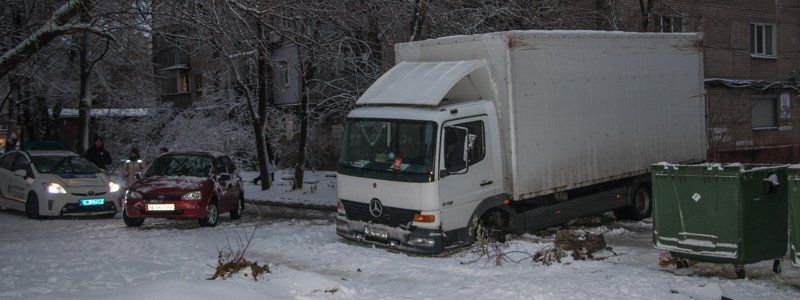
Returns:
(172, 58)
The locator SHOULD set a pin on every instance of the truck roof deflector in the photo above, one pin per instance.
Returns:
(428, 83)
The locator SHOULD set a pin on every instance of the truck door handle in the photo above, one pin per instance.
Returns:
(486, 182)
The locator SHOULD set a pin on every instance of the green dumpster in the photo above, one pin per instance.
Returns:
(794, 215)
(721, 213)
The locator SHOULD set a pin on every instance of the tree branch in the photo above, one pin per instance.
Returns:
(56, 26)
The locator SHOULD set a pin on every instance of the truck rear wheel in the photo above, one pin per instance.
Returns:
(641, 206)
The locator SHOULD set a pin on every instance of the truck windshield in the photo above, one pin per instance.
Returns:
(399, 150)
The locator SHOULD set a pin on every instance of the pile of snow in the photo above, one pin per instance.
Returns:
(319, 189)
(102, 259)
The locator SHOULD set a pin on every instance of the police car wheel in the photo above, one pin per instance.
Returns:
(32, 207)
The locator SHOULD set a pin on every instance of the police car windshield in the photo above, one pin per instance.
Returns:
(63, 165)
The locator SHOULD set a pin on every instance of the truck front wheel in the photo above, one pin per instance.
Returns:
(641, 206)
(494, 225)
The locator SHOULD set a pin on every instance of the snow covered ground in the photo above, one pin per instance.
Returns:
(101, 259)
(319, 189)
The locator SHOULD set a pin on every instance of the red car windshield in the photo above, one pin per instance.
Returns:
(179, 165)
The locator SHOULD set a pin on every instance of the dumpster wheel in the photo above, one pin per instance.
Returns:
(776, 266)
(740, 273)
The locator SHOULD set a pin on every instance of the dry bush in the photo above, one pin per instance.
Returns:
(229, 265)
(548, 256)
(581, 243)
(231, 262)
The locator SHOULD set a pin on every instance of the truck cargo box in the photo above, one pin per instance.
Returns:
(576, 108)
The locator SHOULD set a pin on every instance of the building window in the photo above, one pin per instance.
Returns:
(282, 72)
(762, 40)
(668, 23)
(764, 112)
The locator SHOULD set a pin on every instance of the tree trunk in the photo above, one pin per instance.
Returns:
(13, 99)
(260, 123)
(645, 8)
(84, 99)
(418, 15)
(299, 169)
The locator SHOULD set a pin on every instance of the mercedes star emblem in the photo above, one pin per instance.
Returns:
(375, 207)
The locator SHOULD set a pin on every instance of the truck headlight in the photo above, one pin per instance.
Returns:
(196, 195)
(55, 188)
(113, 187)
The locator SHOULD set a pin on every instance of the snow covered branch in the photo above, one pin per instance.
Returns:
(58, 25)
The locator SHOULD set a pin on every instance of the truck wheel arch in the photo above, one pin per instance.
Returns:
(488, 205)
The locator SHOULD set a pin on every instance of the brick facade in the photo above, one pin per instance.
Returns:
(726, 26)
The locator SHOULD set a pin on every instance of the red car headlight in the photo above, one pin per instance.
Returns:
(196, 195)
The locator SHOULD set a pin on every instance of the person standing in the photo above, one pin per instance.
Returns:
(134, 164)
(98, 154)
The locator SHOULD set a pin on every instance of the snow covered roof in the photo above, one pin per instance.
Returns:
(424, 83)
(109, 112)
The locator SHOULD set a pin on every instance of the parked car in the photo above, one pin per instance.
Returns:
(55, 183)
(185, 185)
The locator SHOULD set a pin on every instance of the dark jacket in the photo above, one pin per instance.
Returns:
(98, 156)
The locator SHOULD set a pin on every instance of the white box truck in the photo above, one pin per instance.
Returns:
(517, 131)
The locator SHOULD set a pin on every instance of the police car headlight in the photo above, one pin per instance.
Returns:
(54, 188)
(113, 187)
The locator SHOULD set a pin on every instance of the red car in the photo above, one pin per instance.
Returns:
(185, 185)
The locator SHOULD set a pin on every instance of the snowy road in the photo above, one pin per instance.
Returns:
(100, 259)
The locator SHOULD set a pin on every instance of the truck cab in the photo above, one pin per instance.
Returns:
(411, 177)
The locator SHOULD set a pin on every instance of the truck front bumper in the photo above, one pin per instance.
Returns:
(416, 240)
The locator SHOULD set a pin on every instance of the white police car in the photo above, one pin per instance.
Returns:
(55, 183)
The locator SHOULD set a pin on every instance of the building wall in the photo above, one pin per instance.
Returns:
(727, 55)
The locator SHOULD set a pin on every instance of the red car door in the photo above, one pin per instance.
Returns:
(222, 178)
(235, 183)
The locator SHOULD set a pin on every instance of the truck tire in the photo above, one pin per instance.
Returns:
(32, 207)
(641, 206)
(495, 222)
